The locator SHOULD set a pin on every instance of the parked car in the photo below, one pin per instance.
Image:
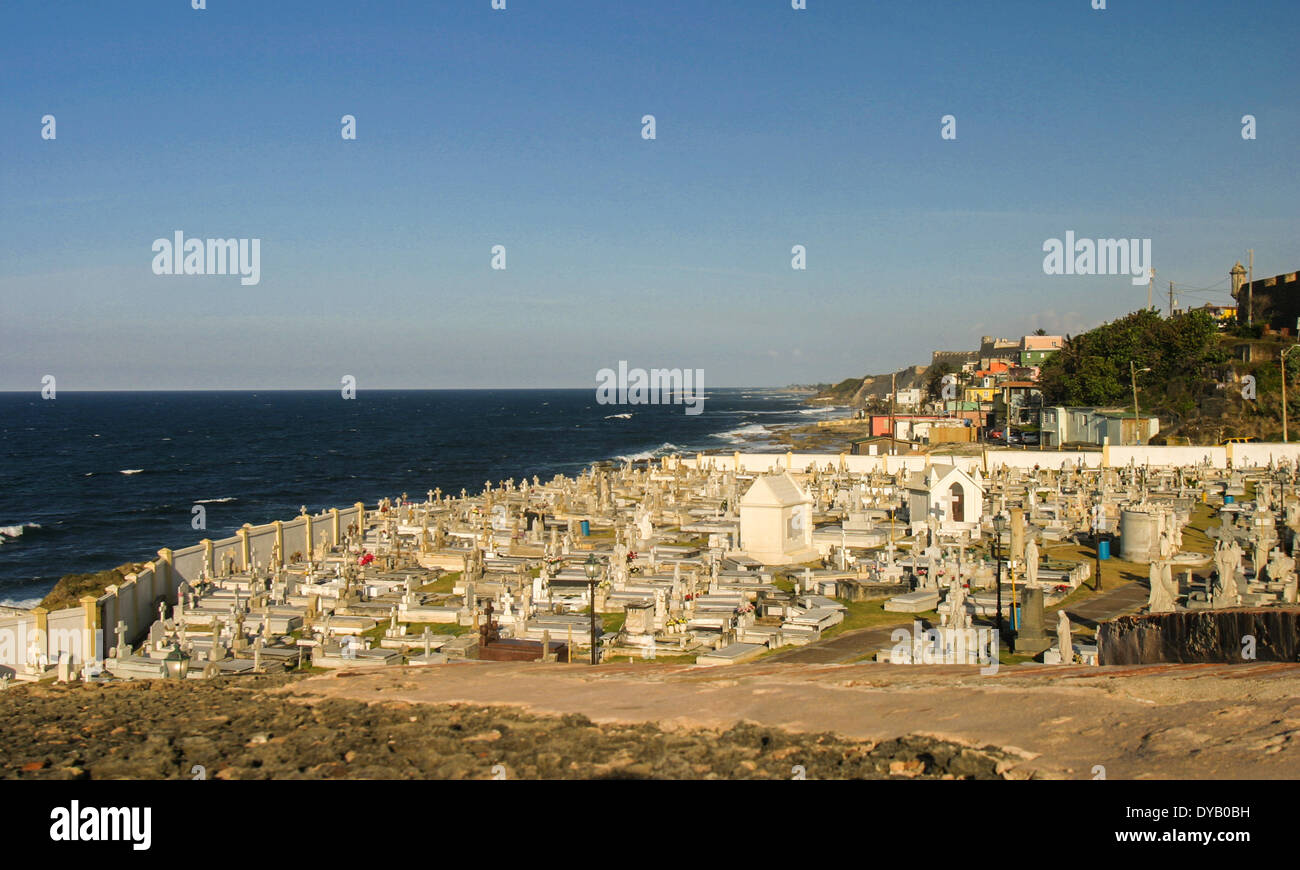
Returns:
(1030, 438)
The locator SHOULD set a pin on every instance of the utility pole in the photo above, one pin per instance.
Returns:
(1133, 374)
(893, 394)
(1132, 371)
(1171, 298)
(1151, 280)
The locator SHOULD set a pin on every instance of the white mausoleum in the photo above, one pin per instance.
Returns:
(958, 496)
(776, 523)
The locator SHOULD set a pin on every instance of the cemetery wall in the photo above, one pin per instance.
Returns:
(1262, 453)
(90, 631)
(1241, 455)
(1150, 454)
(1053, 459)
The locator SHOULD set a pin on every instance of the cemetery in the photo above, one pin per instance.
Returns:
(713, 560)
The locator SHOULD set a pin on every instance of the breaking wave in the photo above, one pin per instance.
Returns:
(24, 603)
(665, 449)
(742, 434)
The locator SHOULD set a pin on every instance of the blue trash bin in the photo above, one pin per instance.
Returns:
(1228, 499)
(586, 528)
(1103, 550)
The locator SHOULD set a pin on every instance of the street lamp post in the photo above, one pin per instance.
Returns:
(1097, 586)
(1099, 521)
(593, 569)
(999, 523)
(176, 663)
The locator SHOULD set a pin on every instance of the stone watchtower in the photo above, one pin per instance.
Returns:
(1238, 275)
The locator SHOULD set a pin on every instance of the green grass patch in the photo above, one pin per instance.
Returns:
(872, 614)
(443, 585)
(415, 629)
(612, 621)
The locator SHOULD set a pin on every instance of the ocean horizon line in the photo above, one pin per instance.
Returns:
(137, 391)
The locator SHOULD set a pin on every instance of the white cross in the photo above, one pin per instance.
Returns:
(947, 501)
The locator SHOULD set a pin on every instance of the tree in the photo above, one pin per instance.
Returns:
(1094, 368)
(934, 379)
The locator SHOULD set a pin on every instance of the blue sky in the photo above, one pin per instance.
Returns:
(478, 127)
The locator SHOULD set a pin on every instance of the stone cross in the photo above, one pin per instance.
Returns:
(122, 649)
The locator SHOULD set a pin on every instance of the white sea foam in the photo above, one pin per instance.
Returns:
(24, 603)
(664, 449)
(216, 500)
(17, 531)
(742, 434)
(619, 417)
(131, 470)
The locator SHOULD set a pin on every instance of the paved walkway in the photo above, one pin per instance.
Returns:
(1111, 603)
(842, 648)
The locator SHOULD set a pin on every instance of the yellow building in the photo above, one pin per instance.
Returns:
(979, 394)
(1221, 313)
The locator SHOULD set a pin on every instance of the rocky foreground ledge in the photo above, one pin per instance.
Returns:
(256, 730)
(486, 720)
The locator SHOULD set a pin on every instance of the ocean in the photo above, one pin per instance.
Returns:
(92, 480)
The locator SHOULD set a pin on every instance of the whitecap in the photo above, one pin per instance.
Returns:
(131, 471)
(23, 603)
(738, 436)
(664, 449)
